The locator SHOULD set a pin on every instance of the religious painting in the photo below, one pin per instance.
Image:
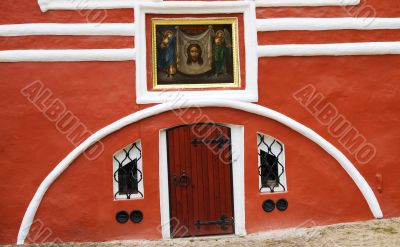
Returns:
(195, 53)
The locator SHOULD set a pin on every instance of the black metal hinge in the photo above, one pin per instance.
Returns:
(220, 141)
(223, 222)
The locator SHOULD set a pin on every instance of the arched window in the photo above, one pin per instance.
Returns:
(127, 172)
(271, 164)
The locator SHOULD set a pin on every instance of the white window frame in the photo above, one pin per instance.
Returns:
(274, 149)
(249, 93)
(120, 154)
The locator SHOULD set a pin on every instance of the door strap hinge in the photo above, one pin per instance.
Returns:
(223, 222)
(221, 140)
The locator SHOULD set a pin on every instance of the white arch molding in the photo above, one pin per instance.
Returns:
(164, 107)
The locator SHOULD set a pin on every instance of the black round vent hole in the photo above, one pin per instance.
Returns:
(122, 216)
(268, 205)
(136, 216)
(282, 204)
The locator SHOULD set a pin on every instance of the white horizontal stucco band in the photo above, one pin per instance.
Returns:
(128, 29)
(89, 4)
(180, 6)
(67, 55)
(345, 163)
(301, 3)
(337, 49)
(280, 24)
(104, 29)
(121, 4)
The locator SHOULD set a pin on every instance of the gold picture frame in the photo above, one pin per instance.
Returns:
(218, 46)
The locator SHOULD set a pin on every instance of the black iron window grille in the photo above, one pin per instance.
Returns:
(271, 170)
(128, 174)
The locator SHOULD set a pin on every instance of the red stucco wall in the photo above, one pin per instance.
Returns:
(80, 206)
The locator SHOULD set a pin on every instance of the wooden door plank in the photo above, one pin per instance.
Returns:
(179, 208)
(195, 182)
(227, 163)
(183, 189)
(216, 185)
(209, 194)
(222, 181)
(200, 174)
(189, 170)
(211, 171)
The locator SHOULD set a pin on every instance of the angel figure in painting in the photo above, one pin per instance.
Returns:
(222, 43)
(167, 51)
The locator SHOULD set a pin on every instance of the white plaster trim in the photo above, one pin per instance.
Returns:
(346, 164)
(88, 4)
(164, 186)
(122, 4)
(337, 49)
(279, 24)
(104, 29)
(195, 7)
(250, 93)
(237, 140)
(181, 6)
(128, 29)
(301, 3)
(237, 137)
(67, 55)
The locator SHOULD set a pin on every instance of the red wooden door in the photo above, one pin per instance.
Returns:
(200, 180)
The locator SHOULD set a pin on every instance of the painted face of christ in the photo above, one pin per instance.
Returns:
(194, 54)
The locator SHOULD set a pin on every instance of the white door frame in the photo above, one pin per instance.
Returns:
(237, 142)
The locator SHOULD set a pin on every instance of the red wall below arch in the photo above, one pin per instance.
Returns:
(319, 190)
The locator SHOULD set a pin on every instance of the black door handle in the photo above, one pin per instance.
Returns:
(184, 179)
